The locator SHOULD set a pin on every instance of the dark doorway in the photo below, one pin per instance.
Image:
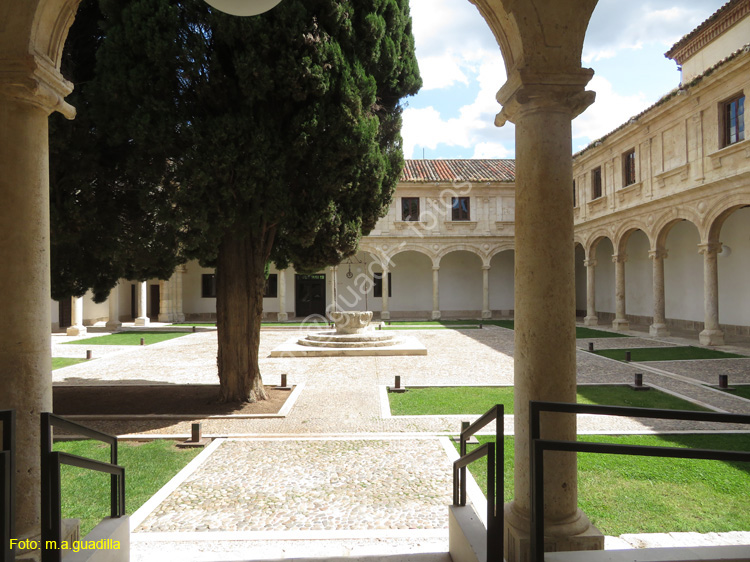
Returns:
(155, 303)
(133, 303)
(310, 294)
(65, 312)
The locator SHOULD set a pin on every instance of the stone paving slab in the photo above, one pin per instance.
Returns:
(312, 485)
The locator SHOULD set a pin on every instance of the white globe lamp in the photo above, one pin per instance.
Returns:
(243, 7)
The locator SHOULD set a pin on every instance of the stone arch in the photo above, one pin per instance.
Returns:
(664, 224)
(505, 247)
(593, 241)
(458, 248)
(404, 247)
(623, 234)
(720, 212)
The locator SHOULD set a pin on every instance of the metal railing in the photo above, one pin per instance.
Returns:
(495, 453)
(51, 493)
(539, 445)
(7, 484)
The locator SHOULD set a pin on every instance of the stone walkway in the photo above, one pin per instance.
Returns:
(336, 468)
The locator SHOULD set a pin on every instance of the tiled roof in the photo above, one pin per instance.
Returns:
(725, 17)
(459, 170)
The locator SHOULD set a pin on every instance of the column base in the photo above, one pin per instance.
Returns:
(658, 330)
(577, 534)
(486, 314)
(436, 315)
(591, 321)
(142, 321)
(620, 325)
(166, 318)
(385, 315)
(282, 316)
(113, 325)
(76, 331)
(711, 337)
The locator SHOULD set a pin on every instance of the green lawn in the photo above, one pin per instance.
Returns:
(475, 400)
(130, 338)
(430, 327)
(59, 362)
(666, 353)
(742, 390)
(148, 466)
(624, 494)
(583, 333)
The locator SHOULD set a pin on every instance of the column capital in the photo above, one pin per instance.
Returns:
(710, 248)
(527, 91)
(435, 268)
(35, 81)
(619, 258)
(590, 263)
(658, 254)
(486, 268)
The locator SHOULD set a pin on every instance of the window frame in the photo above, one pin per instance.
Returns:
(597, 185)
(727, 139)
(377, 284)
(457, 213)
(208, 286)
(629, 168)
(410, 201)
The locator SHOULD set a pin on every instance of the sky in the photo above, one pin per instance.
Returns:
(462, 69)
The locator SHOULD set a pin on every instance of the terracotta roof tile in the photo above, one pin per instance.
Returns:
(459, 170)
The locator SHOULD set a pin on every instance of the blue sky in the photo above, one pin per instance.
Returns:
(462, 69)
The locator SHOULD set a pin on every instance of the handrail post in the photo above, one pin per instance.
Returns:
(7, 484)
(46, 491)
(462, 471)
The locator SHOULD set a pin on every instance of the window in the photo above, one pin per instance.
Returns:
(377, 285)
(272, 287)
(410, 208)
(733, 116)
(575, 202)
(460, 208)
(628, 167)
(208, 286)
(596, 183)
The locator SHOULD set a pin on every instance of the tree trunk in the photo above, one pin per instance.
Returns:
(240, 283)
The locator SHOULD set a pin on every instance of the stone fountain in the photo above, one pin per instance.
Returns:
(353, 335)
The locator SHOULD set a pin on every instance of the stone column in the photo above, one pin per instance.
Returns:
(435, 292)
(165, 300)
(659, 325)
(113, 322)
(712, 333)
(591, 317)
(76, 318)
(142, 319)
(282, 315)
(486, 312)
(179, 315)
(621, 321)
(545, 351)
(30, 89)
(332, 304)
(385, 314)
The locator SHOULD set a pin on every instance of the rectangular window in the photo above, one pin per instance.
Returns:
(628, 167)
(410, 208)
(733, 112)
(272, 287)
(208, 286)
(377, 285)
(596, 183)
(461, 209)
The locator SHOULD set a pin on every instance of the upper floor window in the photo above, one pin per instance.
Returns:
(410, 208)
(628, 167)
(596, 183)
(733, 117)
(461, 209)
(271, 290)
(208, 286)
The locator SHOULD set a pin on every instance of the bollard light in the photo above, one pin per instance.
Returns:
(195, 435)
(88, 354)
(143, 341)
(591, 346)
(243, 7)
(398, 381)
(194, 327)
(627, 356)
(724, 383)
(639, 379)
(638, 383)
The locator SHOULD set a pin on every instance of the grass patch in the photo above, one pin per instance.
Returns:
(130, 338)
(476, 400)
(148, 466)
(582, 333)
(624, 494)
(429, 327)
(59, 362)
(208, 324)
(667, 353)
(742, 390)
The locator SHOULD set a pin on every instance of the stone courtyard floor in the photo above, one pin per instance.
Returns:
(338, 475)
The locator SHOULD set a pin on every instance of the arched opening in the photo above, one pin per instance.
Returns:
(683, 277)
(580, 257)
(605, 280)
(411, 285)
(461, 285)
(356, 280)
(639, 297)
(734, 264)
(502, 288)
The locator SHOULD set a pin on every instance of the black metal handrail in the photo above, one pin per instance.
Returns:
(495, 453)
(7, 484)
(51, 492)
(538, 446)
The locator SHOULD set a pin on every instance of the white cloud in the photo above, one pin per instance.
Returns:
(609, 112)
(491, 150)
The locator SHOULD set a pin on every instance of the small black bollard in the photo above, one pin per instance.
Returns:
(194, 327)
(480, 325)
(88, 354)
(283, 385)
(195, 435)
(591, 346)
(724, 383)
(398, 381)
(627, 357)
(397, 385)
(196, 438)
(143, 341)
(283, 379)
(638, 383)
